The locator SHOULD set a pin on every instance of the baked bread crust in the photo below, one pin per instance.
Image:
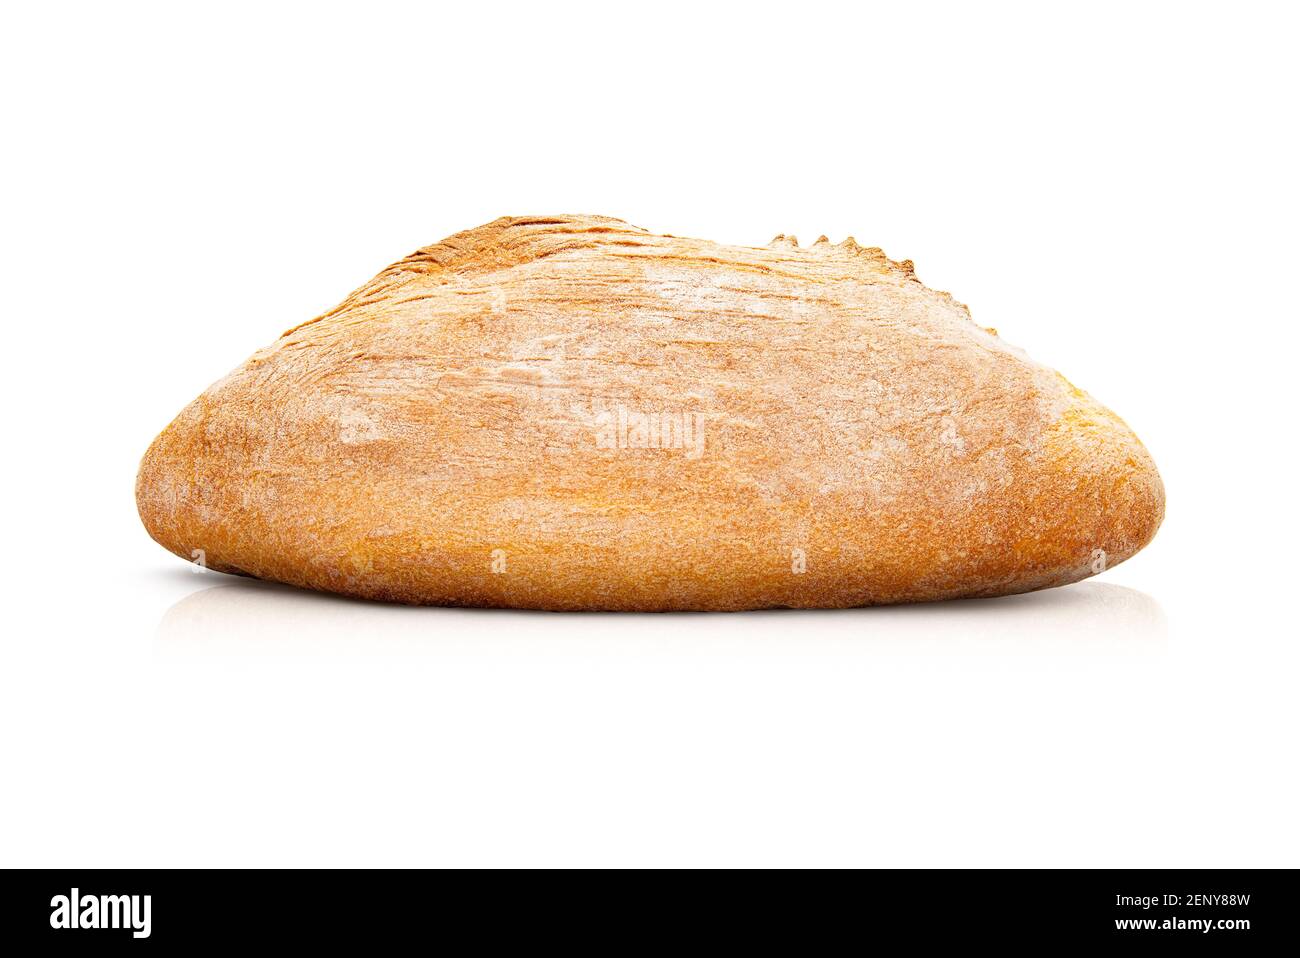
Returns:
(570, 412)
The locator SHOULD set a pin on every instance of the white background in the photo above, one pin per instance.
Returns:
(1113, 188)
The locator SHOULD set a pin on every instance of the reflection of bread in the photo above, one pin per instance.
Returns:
(569, 412)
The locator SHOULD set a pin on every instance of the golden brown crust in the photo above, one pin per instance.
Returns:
(466, 429)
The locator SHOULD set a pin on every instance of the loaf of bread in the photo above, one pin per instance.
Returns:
(570, 412)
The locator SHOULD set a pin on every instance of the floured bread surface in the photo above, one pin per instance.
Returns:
(569, 412)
